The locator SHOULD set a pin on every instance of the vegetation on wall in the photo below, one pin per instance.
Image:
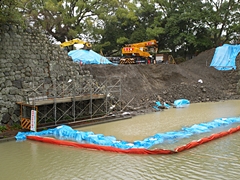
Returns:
(185, 27)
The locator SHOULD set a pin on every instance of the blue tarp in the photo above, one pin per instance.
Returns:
(67, 133)
(224, 57)
(179, 103)
(158, 104)
(88, 57)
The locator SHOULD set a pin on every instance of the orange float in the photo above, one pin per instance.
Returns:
(135, 150)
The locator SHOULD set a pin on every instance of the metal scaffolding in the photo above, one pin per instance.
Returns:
(72, 100)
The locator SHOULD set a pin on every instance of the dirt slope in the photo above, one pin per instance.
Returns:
(168, 82)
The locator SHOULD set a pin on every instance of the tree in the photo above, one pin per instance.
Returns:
(177, 25)
(9, 12)
(118, 26)
(190, 26)
(180, 25)
(222, 18)
(128, 24)
(64, 19)
(146, 14)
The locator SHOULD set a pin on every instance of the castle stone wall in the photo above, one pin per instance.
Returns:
(27, 60)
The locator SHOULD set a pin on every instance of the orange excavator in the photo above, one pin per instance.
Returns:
(138, 53)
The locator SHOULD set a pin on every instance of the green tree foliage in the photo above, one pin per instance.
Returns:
(179, 26)
(146, 13)
(9, 12)
(118, 26)
(222, 19)
(183, 26)
(187, 27)
(65, 19)
(128, 24)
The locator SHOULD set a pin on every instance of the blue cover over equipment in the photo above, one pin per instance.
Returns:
(88, 57)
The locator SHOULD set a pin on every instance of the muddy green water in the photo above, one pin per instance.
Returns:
(219, 159)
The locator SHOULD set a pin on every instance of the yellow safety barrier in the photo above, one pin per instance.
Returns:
(25, 123)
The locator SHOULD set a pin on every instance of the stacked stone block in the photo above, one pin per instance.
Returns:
(29, 61)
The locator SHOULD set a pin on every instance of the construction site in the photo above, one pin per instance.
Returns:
(85, 100)
(48, 84)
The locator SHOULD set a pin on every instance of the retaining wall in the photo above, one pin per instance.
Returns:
(28, 59)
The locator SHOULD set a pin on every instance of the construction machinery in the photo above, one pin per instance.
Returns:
(138, 53)
(86, 45)
(164, 57)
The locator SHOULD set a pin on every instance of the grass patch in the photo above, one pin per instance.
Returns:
(3, 128)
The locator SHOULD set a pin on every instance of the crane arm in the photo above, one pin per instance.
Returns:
(144, 44)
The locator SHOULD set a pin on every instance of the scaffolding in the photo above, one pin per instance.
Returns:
(71, 101)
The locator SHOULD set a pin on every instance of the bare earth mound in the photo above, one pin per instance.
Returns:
(168, 82)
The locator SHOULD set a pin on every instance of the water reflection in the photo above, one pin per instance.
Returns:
(218, 159)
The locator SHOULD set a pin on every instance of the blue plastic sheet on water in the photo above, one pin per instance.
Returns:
(156, 107)
(166, 105)
(158, 104)
(180, 103)
(65, 132)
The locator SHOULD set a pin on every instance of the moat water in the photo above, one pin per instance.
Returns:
(218, 159)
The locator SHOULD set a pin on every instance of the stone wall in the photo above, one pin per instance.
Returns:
(29, 60)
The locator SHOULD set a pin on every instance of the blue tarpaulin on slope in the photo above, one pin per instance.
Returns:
(224, 57)
(88, 57)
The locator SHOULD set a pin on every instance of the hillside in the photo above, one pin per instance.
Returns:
(145, 84)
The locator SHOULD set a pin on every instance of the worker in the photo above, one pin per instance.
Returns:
(149, 61)
(80, 63)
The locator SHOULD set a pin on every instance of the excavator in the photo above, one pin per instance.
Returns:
(138, 53)
(86, 45)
